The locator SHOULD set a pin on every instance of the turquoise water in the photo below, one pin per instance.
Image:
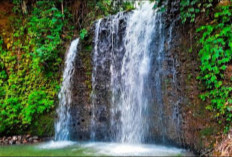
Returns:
(68, 148)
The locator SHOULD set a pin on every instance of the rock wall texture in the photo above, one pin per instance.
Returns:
(199, 127)
(81, 90)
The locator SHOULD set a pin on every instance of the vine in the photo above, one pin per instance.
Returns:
(215, 55)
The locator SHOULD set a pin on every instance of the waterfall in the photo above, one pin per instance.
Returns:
(94, 73)
(131, 78)
(108, 44)
(136, 63)
(62, 130)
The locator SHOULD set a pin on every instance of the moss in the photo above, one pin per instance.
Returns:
(43, 126)
(86, 59)
(207, 131)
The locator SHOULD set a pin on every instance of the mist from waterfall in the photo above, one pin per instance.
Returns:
(62, 130)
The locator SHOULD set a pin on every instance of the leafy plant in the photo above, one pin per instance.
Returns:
(215, 55)
(30, 63)
(83, 33)
(45, 28)
(189, 9)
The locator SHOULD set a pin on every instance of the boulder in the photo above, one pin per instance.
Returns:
(30, 139)
(18, 142)
(35, 141)
(14, 138)
(19, 138)
(35, 137)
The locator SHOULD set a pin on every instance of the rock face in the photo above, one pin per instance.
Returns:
(80, 107)
(108, 48)
(198, 129)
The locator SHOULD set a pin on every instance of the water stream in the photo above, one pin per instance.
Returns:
(65, 148)
(62, 131)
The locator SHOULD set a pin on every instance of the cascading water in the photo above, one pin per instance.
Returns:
(62, 130)
(108, 44)
(136, 64)
(94, 73)
(129, 75)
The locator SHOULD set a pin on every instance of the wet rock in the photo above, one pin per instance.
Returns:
(35, 141)
(30, 139)
(35, 137)
(5, 142)
(14, 138)
(24, 141)
(18, 142)
(27, 136)
(19, 138)
(11, 142)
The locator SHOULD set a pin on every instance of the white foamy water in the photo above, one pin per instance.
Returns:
(56, 144)
(119, 149)
(62, 132)
(135, 69)
(114, 149)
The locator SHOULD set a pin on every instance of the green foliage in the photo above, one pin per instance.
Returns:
(44, 125)
(189, 9)
(104, 6)
(17, 6)
(38, 102)
(108, 7)
(127, 6)
(215, 55)
(29, 67)
(83, 33)
(44, 29)
(160, 5)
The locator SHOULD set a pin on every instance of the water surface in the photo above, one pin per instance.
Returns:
(68, 148)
